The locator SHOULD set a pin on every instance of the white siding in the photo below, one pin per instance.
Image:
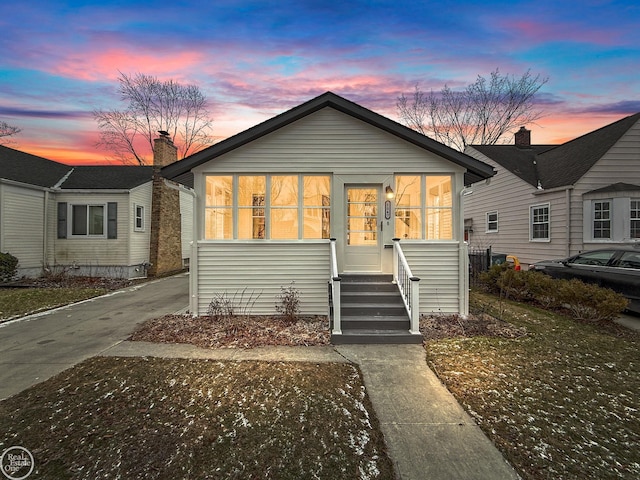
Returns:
(621, 164)
(139, 240)
(512, 198)
(352, 151)
(259, 270)
(22, 232)
(437, 267)
(100, 256)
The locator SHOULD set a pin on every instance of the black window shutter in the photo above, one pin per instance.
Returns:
(112, 220)
(62, 219)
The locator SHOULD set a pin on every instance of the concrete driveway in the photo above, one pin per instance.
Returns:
(37, 347)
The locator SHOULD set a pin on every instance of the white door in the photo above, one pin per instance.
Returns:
(363, 242)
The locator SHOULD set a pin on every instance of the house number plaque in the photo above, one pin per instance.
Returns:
(387, 209)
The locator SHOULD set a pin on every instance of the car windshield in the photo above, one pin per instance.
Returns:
(629, 260)
(593, 258)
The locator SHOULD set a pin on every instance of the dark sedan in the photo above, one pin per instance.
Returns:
(614, 268)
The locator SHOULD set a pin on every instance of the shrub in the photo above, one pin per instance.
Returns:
(288, 302)
(583, 301)
(241, 304)
(8, 267)
(590, 302)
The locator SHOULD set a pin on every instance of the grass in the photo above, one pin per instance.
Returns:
(561, 402)
(155, 418)
(16, 302)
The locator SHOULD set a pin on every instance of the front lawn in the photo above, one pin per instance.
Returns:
(151, 418)
(561, 401)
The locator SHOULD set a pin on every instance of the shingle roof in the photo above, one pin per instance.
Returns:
(33, 170)
(558, 165)
(107, 177)
(476, 170)
(30, 169)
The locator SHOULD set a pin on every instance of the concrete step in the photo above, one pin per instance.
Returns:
(378, 337)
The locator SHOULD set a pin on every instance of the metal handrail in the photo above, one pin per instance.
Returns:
(334, 282)
(408, 284)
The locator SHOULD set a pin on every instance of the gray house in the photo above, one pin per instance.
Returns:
(91, 220)
(552, 201)
(319, 193)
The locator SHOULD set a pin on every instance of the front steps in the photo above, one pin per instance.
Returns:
(372, 311)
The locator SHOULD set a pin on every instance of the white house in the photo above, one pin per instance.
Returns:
(269, 199)
(86, 220)
(553, 201)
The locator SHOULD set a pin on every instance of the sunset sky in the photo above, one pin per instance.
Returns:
(59, 60)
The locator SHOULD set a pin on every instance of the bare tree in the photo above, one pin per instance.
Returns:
(6, 132)
(154, 105)
(484, 113)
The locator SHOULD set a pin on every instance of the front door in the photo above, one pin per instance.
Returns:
(363, 243)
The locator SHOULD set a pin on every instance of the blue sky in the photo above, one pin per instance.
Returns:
(255, 59)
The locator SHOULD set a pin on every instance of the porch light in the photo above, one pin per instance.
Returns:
(389, 191)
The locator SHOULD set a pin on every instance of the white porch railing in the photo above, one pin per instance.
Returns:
(408, 285)
(334, 294)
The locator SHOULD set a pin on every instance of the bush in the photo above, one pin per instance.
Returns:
(288, 302)
(590, 302)
(583, 301)
(8, 267)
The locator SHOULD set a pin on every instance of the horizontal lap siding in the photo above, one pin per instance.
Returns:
(96, 252)
(139, 244)
(329, 141)
(437, 267)
(23, 225)
(262, 269)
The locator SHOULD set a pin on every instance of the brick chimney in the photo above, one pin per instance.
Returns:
(165, 249)
(523, 138)
(164, 151)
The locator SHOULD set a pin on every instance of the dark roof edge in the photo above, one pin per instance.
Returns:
(476, 168)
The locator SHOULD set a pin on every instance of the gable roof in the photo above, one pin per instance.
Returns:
(476, 170)
(30, 169)
(558, 165)
(33, 170)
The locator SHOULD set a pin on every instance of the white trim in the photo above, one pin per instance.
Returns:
(492, 212)
(137, 217)
(548, 222)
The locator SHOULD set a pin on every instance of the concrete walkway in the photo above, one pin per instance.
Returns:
(428, 434)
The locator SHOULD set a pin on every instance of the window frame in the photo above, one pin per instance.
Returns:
(88, 207)
(268, 209)
(138, 214)
(489, 222)
(425, 210)
(546, 206)
(634, 219)
(608, 220)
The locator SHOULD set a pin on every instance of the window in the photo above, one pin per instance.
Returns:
(219, 208)
(602, 219)
(634, 215)
(87, 220)
(539, 220)
(492, 222)
(279, 207)
(138, 220)
(423, 207)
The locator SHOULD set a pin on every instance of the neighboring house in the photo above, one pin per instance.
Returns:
(552, 201)
(269, 199)
(90, 220)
